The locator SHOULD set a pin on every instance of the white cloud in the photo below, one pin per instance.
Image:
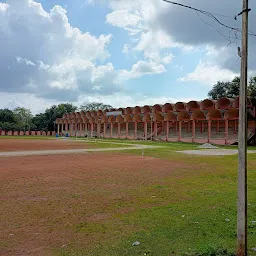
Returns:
(142, 68)
(126, 49)
(120, 100)
(208, 74)
(124, 19)
(54, 60)
(25, 61)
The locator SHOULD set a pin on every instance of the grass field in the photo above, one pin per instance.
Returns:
(101, 203)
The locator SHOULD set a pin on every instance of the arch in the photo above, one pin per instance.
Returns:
(78, 114)
(180, 106)
(136, 110)
(85, 120)
(170, 116)
(167, 107)
(83, 114)
(104, 119)
(137, 118)
(91, 120)
(72, 115)
(232, 114)
(193, 105)
(156, 108)
(88, 114)
(146, 109)
(158, 117)
(57, 121)
(111, 119)
(198, 115)
(214, 114)
(183, 116)
(128, 111)
(235, 103)
(224, 103)
(93, 113)
(146, 118)
(99, 113)
(127, 118)
(119, 119)
(207, 104)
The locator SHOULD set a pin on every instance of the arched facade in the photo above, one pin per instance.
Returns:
(205, 121)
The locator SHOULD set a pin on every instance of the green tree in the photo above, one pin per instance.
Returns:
(24, 118)
(45, 121)
(94, 106)
(6, 115)
(225, 89)
(231, 89)
(39, 122)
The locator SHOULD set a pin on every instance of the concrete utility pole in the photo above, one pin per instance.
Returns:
(242, 141)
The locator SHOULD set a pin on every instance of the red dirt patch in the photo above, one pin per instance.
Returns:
(7, 145)
(51, 201)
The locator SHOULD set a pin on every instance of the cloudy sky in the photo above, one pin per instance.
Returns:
(118, 52)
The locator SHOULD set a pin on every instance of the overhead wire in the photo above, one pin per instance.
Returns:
(210, 15)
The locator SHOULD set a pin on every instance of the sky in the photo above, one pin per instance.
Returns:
(119, 52)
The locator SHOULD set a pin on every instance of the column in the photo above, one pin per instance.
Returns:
(104, 130)
(118, 130)
(193, 130)
(111, 130)
(180, 127)
(209, 130)
(58, 129)
(127, 129)
(167, 130)
(155, 128)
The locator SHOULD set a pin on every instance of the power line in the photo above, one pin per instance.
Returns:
(209, 14)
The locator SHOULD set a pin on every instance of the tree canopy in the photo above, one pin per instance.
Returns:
(94, 106)
(231, 89)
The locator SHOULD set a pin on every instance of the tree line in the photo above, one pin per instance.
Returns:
(22, 119)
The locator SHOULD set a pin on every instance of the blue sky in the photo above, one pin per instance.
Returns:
(123, 53)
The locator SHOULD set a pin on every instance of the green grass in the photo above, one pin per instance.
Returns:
(192, 212)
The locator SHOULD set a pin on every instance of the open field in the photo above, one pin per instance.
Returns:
(102, 202)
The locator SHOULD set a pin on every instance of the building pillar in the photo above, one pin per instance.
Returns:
(118, 130)
(111, 130)
(71, 129)
(126, 129)
(209, 130)
(167, 130)
(193, 130)
(155, 128)
(180, 127)
(104, 130)
(226, 131)
(58, 128)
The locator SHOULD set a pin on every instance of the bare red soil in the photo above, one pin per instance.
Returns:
(49, 202)
(7, 145)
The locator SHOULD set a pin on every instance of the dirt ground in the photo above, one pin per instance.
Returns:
(49, 201)
(40, 144)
